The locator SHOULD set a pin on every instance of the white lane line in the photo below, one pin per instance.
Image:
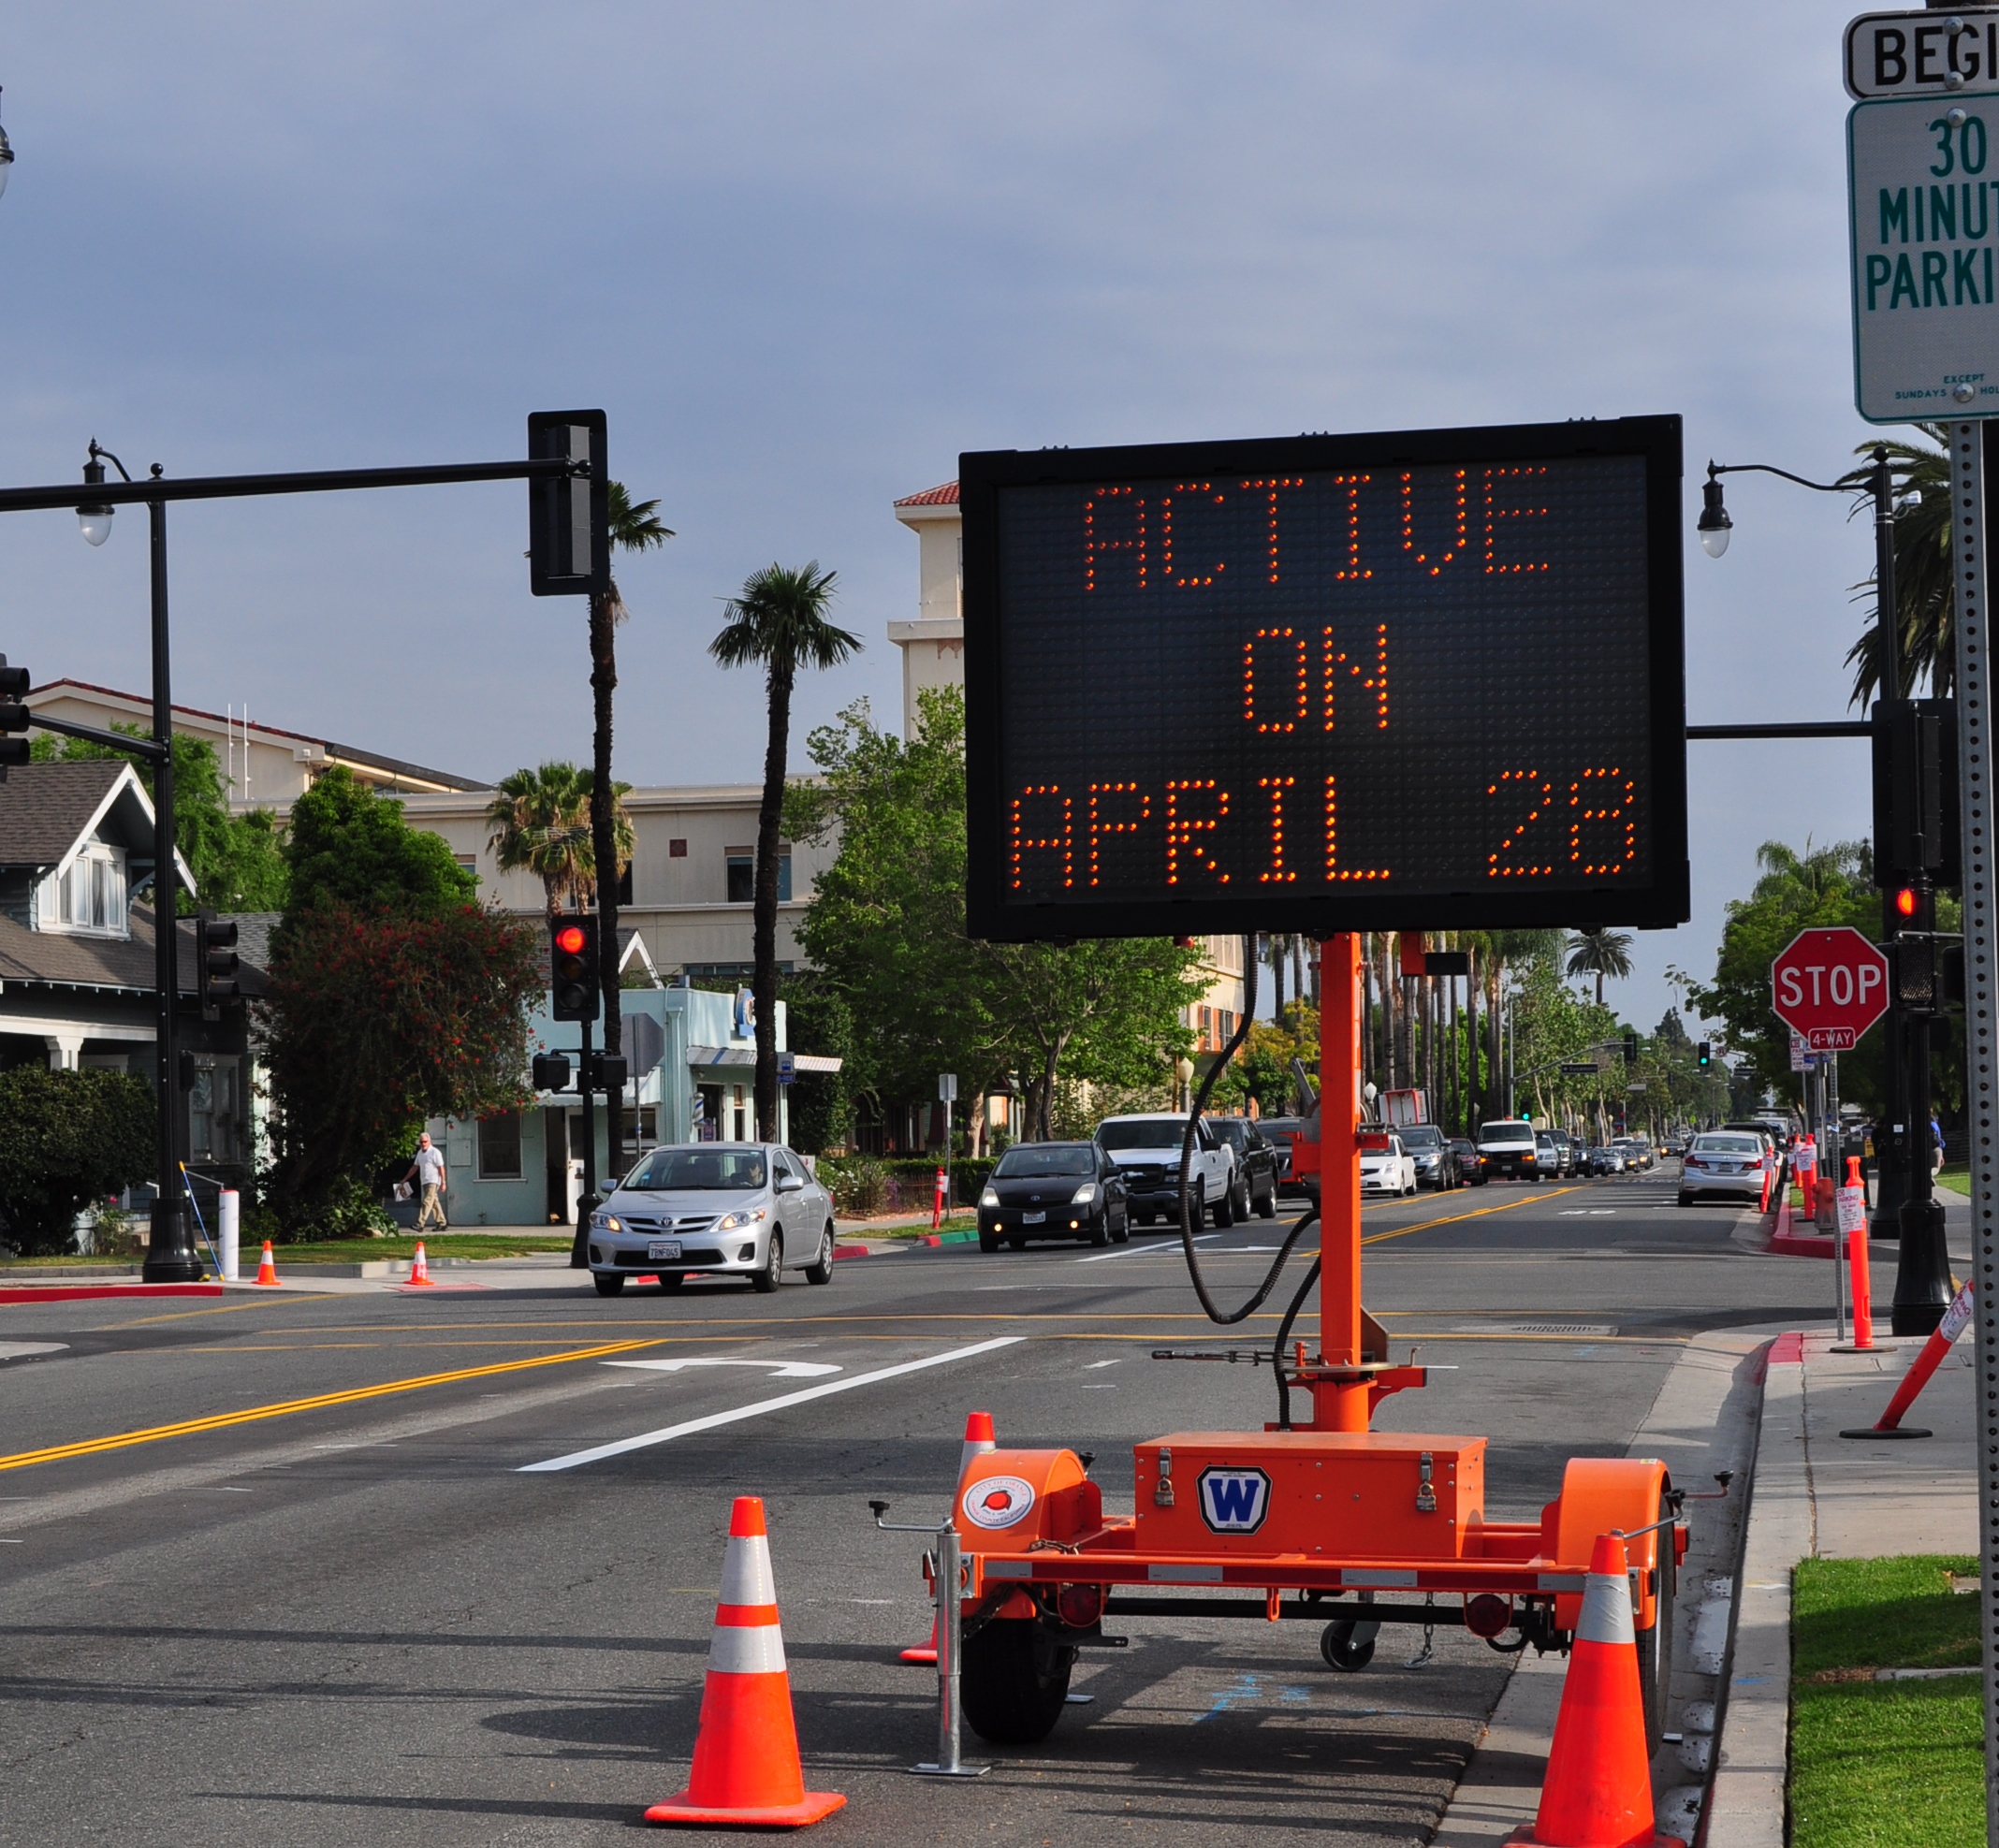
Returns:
(646, 1438)
(1144, 1250)
(1095, 1364)
(780, 1369)
(19, 1350)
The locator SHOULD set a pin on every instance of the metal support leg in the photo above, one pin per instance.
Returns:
(950, 1639)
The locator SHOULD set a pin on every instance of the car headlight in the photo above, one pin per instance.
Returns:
(989, 1198)
(1084, 1195)
(734, 1222)
(605, 1223)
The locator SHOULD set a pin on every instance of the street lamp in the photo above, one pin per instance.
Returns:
(95, 519)
(6, 160)
(1903, 1206)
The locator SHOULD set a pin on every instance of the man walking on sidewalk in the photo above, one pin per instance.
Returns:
(427, 1172)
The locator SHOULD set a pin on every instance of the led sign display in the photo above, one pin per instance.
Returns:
(1415, 680)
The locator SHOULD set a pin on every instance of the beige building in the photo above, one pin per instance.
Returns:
(933, 655)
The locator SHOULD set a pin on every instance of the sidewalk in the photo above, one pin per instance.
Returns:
(1817, 1493)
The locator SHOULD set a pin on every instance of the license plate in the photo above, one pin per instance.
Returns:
(659, 1249)
(1033, 1218)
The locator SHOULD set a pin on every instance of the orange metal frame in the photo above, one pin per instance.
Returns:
(1345, 1508)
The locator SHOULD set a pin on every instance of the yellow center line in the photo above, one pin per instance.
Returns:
(184, 1314)
(1478, 1212)
(353, 1395)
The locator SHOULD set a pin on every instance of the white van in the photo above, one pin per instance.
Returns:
(1508, 1148)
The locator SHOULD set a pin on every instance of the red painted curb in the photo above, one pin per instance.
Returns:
(1788, 1350)
(852, 1251)
(83, 1292)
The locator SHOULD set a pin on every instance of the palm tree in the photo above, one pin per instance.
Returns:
(1606, 952)
(779, 619)
(633, 528)
(540, 825)
(1925, 606)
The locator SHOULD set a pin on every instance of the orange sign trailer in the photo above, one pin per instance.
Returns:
(1318, 1521)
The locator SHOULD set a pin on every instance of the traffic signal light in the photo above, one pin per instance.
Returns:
(1630, 1049)
(551, 1071)
(215, 964)
(569, 520)
(573, 968)
(1915, 792)
(14, 717)
(1701, 1053)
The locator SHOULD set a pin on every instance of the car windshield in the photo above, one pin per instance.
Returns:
(1506, 1132)
(1727, 1145)
(1047, 1158)
(700, 1171)
(1422, 1136)
(1235, 1131)
(1142, 1133)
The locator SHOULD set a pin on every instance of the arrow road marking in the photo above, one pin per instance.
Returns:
(714, 1420)
(780, 1369)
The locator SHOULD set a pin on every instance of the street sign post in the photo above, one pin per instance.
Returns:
(1830, 986)
(1923, 54)
(1921, 207)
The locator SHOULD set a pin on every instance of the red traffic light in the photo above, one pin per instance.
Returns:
(570, 939)
(1907, 900)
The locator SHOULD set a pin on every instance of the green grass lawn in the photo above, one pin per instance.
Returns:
(436, 1244)
(1885, 1765)
(1957, 1179)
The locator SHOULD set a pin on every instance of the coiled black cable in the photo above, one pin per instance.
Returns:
(1214, 1312)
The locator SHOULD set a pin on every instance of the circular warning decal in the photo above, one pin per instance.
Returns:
(998, 1500)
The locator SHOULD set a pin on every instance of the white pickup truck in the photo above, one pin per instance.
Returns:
(1146, 1150)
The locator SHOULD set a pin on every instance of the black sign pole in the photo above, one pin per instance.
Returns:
(587, 1084)
(170, 1255)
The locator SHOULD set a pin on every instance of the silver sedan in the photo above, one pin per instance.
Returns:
(717, 1209)
(1724, 1162)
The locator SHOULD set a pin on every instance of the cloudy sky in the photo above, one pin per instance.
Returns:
(803, 255)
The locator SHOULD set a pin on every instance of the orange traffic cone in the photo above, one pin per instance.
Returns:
(419, 1268)
(1598, 1791)
(266, 1272)
(746, 1773)
(978, 1440)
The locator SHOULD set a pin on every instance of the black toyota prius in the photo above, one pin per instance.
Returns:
(1053, 1191)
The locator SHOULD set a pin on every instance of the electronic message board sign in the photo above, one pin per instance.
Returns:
(1413, 680)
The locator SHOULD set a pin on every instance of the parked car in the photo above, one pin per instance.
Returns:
(1733, 1164)
(1567, 1155)
(1436, 1161)
(717, 1209)
(1148, 1150)
(1386, 1166)
(1471, 1164)
(1256, 1166)
(1547, 1155)
(1053, 1190)
(1508, 1148)
(1277, 1131)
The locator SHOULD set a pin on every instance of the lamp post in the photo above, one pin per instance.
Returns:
(1904, 1208)
(170, 1255)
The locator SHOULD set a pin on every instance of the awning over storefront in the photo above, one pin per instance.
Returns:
(709, 1057)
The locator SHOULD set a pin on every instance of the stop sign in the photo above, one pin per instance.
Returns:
(1829, 985)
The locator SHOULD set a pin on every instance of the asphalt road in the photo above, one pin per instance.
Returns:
(365, 1619)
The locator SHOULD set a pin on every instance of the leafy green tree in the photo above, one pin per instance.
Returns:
(68, 1138)
(1822, 886)
(778, 620)
(542, 823)
(886, 927)
(1925, 607)
(237, 861)
(634, 529)
(377, 1020)
(351, 847)
(818, 1020)
(1608, 952)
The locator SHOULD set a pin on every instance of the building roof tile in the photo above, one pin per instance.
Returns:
(945, 496)
(45, 806)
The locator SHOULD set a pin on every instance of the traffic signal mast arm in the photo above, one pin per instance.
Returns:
(150, 748)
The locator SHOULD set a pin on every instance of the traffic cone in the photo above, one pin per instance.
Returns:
(1598, 1791)
(267, 1270)
(420, 1269)
(746, 1773)
(978, 1440)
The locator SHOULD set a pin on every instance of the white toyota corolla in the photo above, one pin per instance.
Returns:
(1386, 1166)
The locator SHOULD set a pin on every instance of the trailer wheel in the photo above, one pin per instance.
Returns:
(1347, 1645)
(1013, 1681)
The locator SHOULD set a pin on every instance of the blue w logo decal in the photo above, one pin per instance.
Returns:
(1235, 1501)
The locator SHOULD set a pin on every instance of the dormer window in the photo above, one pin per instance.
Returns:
(88, 895)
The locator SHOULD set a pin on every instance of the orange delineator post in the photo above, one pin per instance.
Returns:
(1339, 1404)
